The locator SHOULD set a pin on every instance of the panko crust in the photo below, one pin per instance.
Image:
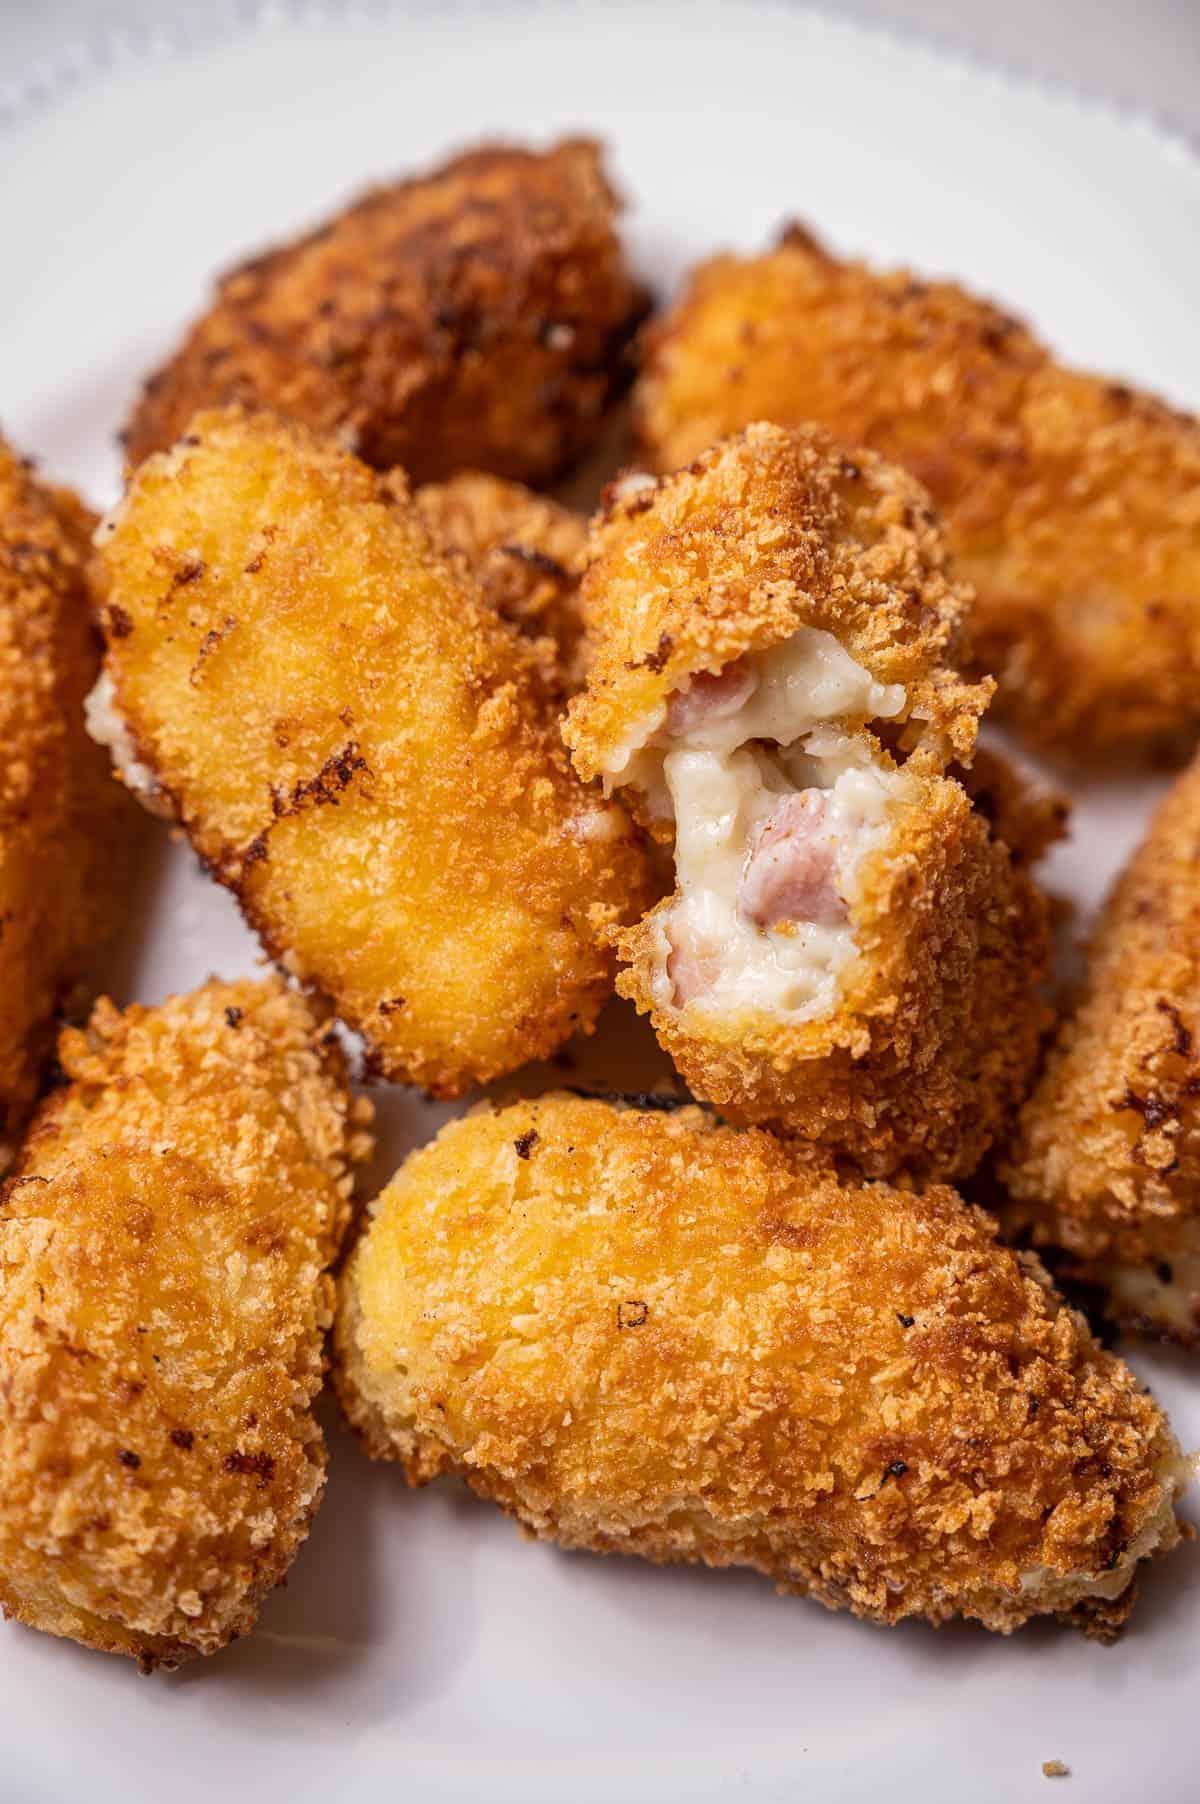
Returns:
(1026, 813)
(1106, 1161)
(477, 317)
(363, 752)
(649, 1333)
(773, 530)
(526, 552)
(935, 1039)
(163, 1305)
(67, 831)
(1071, 503)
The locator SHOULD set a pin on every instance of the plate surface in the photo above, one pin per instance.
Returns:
(421, 1650)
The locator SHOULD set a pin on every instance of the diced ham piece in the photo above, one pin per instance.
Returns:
(710, 696)
(791, 873)
(693, 965)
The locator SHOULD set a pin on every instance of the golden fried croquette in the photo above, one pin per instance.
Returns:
(642, 1332)
(1028, 814)
(1106, 1164)
(477, 317)
(67, 833)
(1069, 502)
(163, 1305)
(527, 554)
(849, 954)
(359, 748)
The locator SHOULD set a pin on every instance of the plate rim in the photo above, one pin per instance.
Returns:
(46, 82)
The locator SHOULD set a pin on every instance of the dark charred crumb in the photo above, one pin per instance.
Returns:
(1153, 1109)
(635, 1099)
(632, 1313)
(655, 660)
(905, 1321)
(254, 854)
(538, 560)
(184, 1438)
(119, 624)
(327, 787)
(524, 1144)
(189, 572)
(1183, 1041)
(1164, 1271)
(233, 1016)
(130, 1459)
(208, 645)
(391, 1005)
(897, 1469)
(261, 1465)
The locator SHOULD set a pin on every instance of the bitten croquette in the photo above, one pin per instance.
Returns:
(1106, 1164)
(164, 1297)
(849, 955)
(477, 317)
(68, 834)
(361, 750)
(645, 1333)
(1070, 502)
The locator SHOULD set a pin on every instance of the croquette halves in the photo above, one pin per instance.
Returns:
(849, 953)
(642, 1332)
(163, 1305)
(477, 317)
(1106, 1165)
(67, 832)
(527, 554)
(1070, 502)
(361, 749)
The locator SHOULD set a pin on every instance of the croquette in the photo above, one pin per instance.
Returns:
(527, 554)
(1105, 1170)
(850, 954)
(68, 835)
(643, 1332)
(361, 750)
(477, 317)
(164, 1297)
(1070, 502)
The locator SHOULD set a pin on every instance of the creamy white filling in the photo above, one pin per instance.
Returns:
(1167, 1294)
(1059, 1591)
(722, 801)
(106, 725)
(777, 797)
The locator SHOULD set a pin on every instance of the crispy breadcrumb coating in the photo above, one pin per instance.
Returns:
(1106, 1164)
(768, 532)
(927, 1044)
(1070, 502)
(360, 749)
(1028, 814)
(642, 1332)
(67, 833)
(526, 553)
(163, 1304)
(477, 317)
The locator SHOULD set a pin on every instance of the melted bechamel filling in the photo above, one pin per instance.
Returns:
(1166, 1294)
(1060, 1591)
(106, 725)
(778, 797)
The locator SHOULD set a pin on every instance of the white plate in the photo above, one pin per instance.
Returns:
(421, 1649)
